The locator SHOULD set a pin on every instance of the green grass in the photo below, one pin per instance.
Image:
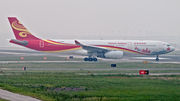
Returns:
(36, 84)
(106, 87)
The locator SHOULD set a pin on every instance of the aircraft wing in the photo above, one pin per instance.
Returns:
(91, 48)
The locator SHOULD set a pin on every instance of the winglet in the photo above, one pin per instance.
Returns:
(77, 43)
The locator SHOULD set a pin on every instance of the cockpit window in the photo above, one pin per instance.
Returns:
(168, 45)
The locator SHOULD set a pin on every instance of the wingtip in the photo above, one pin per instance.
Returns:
(77, 42)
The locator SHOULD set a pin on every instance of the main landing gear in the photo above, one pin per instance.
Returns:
(90, 59)
(157, 59)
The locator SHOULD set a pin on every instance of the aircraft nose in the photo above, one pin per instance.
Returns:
(172, 48)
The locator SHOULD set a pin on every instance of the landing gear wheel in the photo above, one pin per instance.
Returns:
(157, 59)
(90, 59)
(86, 59)
(95, 59)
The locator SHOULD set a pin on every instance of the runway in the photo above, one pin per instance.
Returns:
(151, 59)
(158, 62)
(175, 59)
(166, 58)
(4, 94)
(91, 69)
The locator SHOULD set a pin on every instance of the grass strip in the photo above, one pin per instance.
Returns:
(70, 86)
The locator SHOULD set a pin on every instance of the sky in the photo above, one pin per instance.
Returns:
(92, 19)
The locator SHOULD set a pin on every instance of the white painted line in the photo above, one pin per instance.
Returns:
(148, 58)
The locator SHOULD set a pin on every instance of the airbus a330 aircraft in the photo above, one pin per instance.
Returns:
(112, 49)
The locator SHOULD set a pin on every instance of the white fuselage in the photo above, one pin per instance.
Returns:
(129, 47)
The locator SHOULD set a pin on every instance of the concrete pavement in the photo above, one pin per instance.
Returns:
(4, 94)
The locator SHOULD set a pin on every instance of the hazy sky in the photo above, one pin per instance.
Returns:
(92, 19)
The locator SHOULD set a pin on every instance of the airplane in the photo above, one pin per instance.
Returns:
(110, 49)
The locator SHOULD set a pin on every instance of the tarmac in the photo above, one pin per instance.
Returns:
(4, 94)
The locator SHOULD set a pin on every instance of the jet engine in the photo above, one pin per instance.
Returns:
(114, 55)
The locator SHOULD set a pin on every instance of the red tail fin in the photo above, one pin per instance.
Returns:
(19, 30)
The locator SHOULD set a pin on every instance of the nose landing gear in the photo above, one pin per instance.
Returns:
(157, 59)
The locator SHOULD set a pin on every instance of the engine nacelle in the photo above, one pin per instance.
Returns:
(114, 55)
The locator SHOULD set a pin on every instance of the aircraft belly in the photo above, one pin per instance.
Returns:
(130, 53)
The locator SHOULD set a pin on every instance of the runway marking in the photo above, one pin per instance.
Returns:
(11, 53)
(105, 69)
(6, 62)
(119, 61)
(149, 58)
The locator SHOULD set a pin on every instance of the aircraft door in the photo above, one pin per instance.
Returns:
(41, 44)
(160, 45)
(129, 45)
